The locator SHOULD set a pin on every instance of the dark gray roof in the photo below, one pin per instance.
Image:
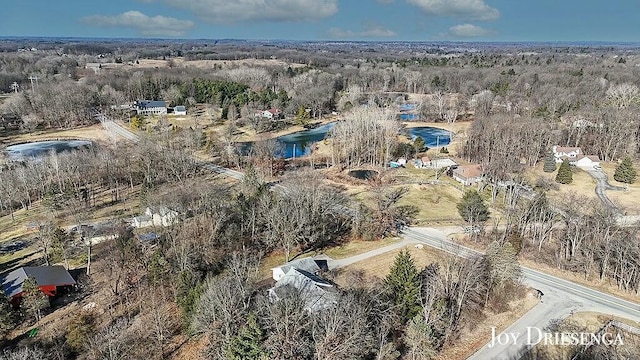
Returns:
(308, 264)
(44, 275)
(144, 104)
(318, 293)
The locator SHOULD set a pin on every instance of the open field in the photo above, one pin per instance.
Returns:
(582, 184)
(94, 132)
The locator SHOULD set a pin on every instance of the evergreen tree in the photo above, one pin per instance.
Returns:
(565, 174)
(549, 163)
(472, 208)
(247, 345)
(419, 144)
(625, 173)
(403, 284)
(7, 317)
(33, 299)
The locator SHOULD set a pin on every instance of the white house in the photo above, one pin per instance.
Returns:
(150, 107)
(468, 174)
(575, 156)
(318, 294)
(587, 161)
(428, 163)
(311, 265)
(180, 110)
(566, 152)
(161, 216)
(270, 114)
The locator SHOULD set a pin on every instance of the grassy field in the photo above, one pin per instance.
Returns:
(627, 200)
(93, 132)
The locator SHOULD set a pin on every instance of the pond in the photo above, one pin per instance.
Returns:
(363, 174)
(42, 148)
(433, 137)
(297, 144)
(408, 117)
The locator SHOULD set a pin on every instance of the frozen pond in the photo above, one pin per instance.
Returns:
(433, 137)
(42, 148)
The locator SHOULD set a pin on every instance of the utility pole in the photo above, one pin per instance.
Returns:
(33, 78)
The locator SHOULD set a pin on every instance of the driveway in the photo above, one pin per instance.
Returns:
(602, 184)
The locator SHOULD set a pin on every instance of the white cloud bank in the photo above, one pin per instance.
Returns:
(234, 11)
(465, 9)
(469, 30)
(142, 24)
(369, 32)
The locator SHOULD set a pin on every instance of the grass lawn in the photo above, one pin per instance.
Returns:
(582, 184)
(627, 200)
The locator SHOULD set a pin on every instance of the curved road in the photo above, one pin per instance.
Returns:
(561, 297)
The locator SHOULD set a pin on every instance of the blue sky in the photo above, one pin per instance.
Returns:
(410, 20)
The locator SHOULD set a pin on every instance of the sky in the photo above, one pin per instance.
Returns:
(379, 20)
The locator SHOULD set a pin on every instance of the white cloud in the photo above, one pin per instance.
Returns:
(373, 31)
(469, 30)
(465, 9)
(143, 24)
(233, 11)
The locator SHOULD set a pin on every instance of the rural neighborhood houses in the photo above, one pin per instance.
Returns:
(150, 107)
(50, 279)
(575, 156)
(468, 174)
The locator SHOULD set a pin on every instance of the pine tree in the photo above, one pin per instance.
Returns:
(472, 208)
(403, 284)
(625, 173)
(419, 144)
(7, 317)
(247, 345)
(565, 174)
(549, 163)
(33, 299)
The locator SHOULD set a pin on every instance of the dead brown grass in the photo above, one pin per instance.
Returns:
(93, 132)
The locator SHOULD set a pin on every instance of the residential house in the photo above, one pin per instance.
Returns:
(318, 294)
(428, 163)
(307, 264)
(52, 280)
(566, 152)
(271, 114)
(150, 107)
(161, 216)
(575, 156)
(180, 110)
(468, 174)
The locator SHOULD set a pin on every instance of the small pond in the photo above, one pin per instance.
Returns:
(297, 144)
(363, 174)
(408, 117)
(433, 137)
(42, 148)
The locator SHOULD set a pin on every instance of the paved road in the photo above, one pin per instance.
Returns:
(560, 298)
